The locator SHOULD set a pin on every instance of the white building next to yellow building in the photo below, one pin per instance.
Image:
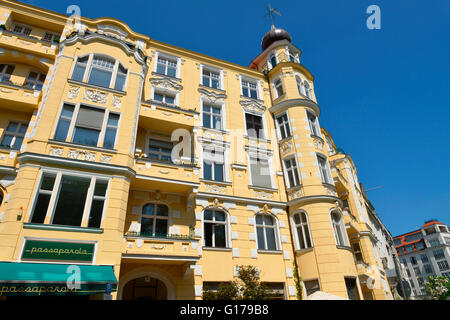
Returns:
(131, 168)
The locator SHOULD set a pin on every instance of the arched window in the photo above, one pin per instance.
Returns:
(278, 87)
(215, 228)
(266, 232)
(102, 70)
(155, 219)
(273, 60)
(338, 228)
(302, 227)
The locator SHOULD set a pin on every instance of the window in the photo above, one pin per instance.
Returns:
(413, 237)
(446, 274)
(278, 85)
(215, 228)
(260, 172)
(293, 57)
(13, 135)
(417, 272)
(424, 258)
(313, 124)
(439, 254)
(308, 89)
(283, 125)
(88, 127)
(434, 242)
(419, 245)
(338, 228)
(35, 80)
(49, 37)
(300, 87)
(311, 286)
(324, 170)
(73, 195)
(357, 252)
(154, 219)
(427, 268)
(249, 89)
(276, 290)
(292, 172)
(413, 260)
(254, 125)
(302, 228)
(442, 229)
(104, 71)
(212, 116)
(6, 71)
(166, 66)
(164, 97)
(19, 28)
(213, 164)
(211, 78)
(352, 290)
(266, 232)
(443, 265)
(397, 242)
(273, 60)
(160, 150)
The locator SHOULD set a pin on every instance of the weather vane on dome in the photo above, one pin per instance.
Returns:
(270, 13)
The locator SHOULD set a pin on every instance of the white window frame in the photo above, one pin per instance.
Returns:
(48, 220)
(15, 134)
(263, 122)
(329, 178)
(166, 92)
(286, 173)
(313, 126)
(294, 53)
(256, 82)
(253, 154)
(227, 228)
(213, 70)
(341, 228)
(288, 122)
(275, 90)
(167, 56)
(216, 104)
(52, 38)
(88, 70)
(71, 130)
(276, 232)
(301, 225)
(272, 54)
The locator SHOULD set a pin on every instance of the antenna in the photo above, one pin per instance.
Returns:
(270, 12)
(374, 188)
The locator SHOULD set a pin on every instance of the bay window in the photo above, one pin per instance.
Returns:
(283, 125)
(313, 124)
(338, 228)
(278, 85)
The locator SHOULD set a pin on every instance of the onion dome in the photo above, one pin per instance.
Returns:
(275, 34)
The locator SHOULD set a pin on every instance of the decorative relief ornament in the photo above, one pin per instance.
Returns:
(295, 194)
(166, 83)
(330, 191)
(212, 96)
(318, 143)
(215, 188)
(73, 92)
(286, 147)
(117, 101)
(263, 195)
(95, 96)
(81, 155)
(56, 151)
(105, 158)
(252, 106)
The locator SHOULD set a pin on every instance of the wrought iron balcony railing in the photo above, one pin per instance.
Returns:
(160, 235)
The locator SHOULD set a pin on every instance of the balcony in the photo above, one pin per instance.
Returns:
(165, 176)
(160, 247)
(27, 44)
(165, 117)
(18, 98)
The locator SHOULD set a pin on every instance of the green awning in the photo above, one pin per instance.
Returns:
(45, 279)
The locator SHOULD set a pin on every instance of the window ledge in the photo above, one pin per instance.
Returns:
(263, 188)
(216, 249)
(154, 73)
(270, 251)
(253, 99)
(96, 87)
(61, 228)
(81, 146)
(217, 89)
(263, 140)
(304, 250)
(227, 183)
(344, 247)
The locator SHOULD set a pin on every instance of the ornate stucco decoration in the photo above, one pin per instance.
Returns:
(286, 147)
(166, 83)
(112, 31)
(81, 155)
(295, 194)
(330, 191)
(263, 195)
(73, 92)
(252, 106)
(95, 96)
(117, 101)
(215, 188)
(105, 158)
(212, 96)
(318, 143)
(56, 151)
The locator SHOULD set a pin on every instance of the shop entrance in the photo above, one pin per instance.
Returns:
(145, 288)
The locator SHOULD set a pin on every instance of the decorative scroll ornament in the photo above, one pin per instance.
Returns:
(56, 152)
(81, 155)
(295, 194)
(105, 158)
(286, 147)
(166, 83)
(117, 101)
(252, 106)
(73, 92)
(318, 143)
(215, 188)
(95, 96)
(263, 195)
(212, 96)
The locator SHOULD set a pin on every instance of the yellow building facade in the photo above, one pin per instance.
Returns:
(93, 187)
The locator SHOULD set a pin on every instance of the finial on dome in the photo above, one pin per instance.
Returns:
(275, 34)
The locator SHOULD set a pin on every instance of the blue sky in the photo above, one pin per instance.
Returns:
(383, 94)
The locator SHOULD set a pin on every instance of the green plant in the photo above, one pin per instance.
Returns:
(298, 282)
(247, 287)
(438, 287)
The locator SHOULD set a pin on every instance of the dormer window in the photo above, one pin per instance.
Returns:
(103, 71)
